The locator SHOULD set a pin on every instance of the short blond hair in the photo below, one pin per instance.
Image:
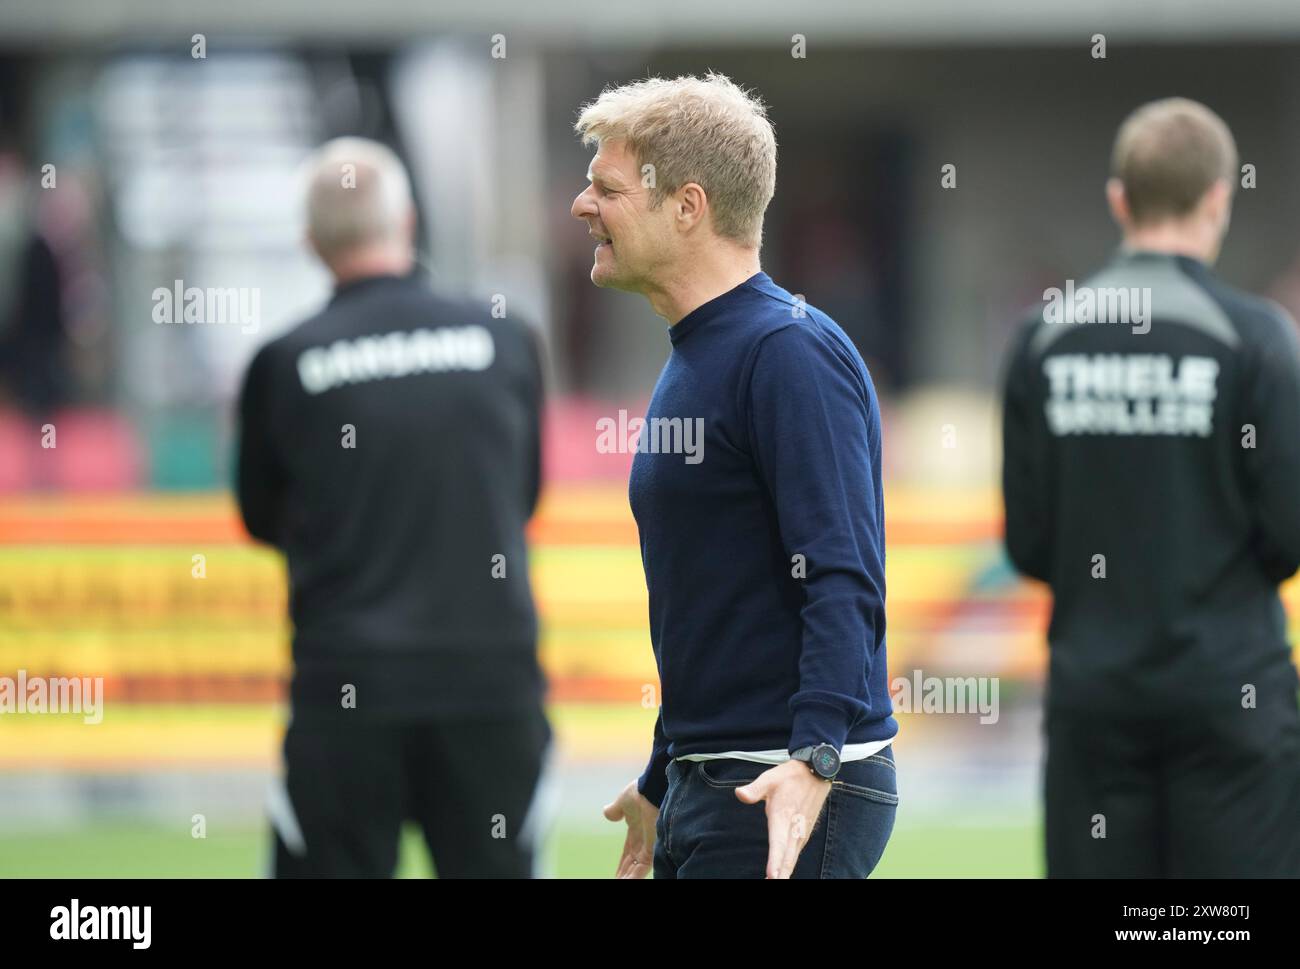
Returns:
(1168, 153)
(705, 130)
(357, 192)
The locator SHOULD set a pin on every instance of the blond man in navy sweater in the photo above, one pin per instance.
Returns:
(756, 490)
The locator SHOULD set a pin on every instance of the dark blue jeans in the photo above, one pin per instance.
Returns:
(705, 831)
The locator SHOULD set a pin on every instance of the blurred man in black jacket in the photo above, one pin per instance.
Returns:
(390, 447)
(1152, 479)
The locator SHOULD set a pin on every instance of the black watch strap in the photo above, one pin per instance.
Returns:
(823, 760)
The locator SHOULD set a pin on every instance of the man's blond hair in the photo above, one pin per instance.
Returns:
(705, 130)
(1168, 153)
(358, 192)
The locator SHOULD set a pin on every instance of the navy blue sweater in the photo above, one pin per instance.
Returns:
(764, 549)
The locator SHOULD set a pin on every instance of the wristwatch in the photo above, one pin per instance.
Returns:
(823, 760)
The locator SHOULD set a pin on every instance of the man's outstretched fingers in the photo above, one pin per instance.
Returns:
(778, 839)
(798, 837)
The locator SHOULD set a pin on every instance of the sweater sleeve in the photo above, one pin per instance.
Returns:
(1272, 406)
(260, 477)
(1024, 470)
(653, 783)
(536, 404)
(815, 434)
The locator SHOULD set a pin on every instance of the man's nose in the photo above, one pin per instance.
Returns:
(582, 205)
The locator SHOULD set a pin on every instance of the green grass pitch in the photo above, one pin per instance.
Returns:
(133, 850)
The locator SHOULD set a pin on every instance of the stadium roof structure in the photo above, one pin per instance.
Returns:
(76, 23)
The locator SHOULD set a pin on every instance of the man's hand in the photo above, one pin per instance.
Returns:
(639, 846)
(794, 796)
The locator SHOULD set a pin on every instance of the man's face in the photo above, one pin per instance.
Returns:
(633, 240)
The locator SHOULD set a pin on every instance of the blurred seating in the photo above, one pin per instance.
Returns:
(94, 450)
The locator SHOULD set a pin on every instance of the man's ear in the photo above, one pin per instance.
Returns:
(692, 205)
(315, 250)
(1117, 199)
(1217, 202)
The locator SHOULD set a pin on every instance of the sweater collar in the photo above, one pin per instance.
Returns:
(1188, 263)
(370, 282)
(705, 312)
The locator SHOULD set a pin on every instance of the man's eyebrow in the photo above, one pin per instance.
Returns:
(598, 179)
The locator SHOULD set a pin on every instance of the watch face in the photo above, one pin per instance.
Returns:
(825, 761)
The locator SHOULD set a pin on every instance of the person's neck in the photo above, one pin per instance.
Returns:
(700, 279)
(366, 264)
(1175, 240)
